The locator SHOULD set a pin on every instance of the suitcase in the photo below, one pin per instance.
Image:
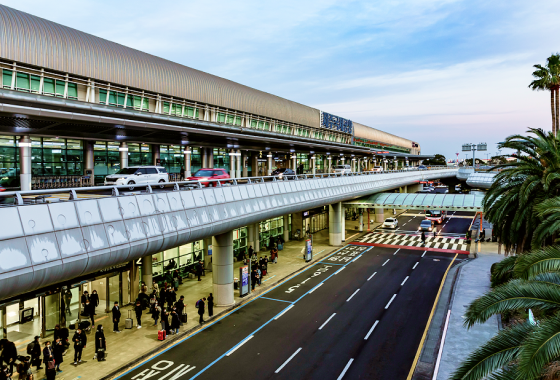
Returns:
(184, 318)
(280, 247)
(161, 335)
(128, 323)
(84, 325)
(100, 354)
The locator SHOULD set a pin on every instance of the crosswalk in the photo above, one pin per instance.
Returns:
(440, 242)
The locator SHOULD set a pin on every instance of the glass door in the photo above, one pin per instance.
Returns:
(51, 313)
(3, 329)
(113, 289)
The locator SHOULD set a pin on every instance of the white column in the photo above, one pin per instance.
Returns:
(244, 163)
(187, 152)
(335, 237)
(123, 154)
(238, 161)
(211, 158)
(156, 152)
(294, 162)
(286, 230)
(147, 272)
(257, 245)
(329, 160)
(222, 268)
(89, 160)
(205, 157)
(232, 163)
(251, 236)
(343, 223)
(361, 221)
(269, 166)
(313, 159)
(25, 163)
(379, 215)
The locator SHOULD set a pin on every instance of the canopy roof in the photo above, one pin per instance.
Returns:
(448, 202)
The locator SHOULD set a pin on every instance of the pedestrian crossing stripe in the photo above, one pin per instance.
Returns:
(440, 242)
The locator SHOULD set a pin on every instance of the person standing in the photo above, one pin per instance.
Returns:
(89, 309)
(165, 321)
(423, 238)
(4, 373)
(210, 305)
(94, 300)
(171, 298)
(155, 286)
(175, 322)
(251, 251)
(138, 311)
(58, 351)
(100, 344)
(116, 312)
(199, 270)
(9, 353)
(180, 305)
(85, 297)
(48, 359)
(201, 310)
(155, 313)
(163, 296)
(253, 279)
(35, 352)
(24, 368)
(79, 340)
(68, 301)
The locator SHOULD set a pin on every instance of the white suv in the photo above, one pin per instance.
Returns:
(138, 175)
(342, 169)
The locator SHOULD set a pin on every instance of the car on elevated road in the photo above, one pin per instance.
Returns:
(284, 172)
(203, 175)
(138, 175)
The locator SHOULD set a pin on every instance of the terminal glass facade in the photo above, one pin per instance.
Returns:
(172, 158)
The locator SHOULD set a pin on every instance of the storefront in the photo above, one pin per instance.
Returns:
(270, 229)
(182, 258)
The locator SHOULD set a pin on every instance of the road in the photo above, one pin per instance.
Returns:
(358, 314)
(457, 223)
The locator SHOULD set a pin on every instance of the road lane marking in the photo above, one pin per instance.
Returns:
(315, 288)
(287, 361)
(282, 313)
(356, 258)
(274, 299)
(371, 330)
(391, 300)
(415, 265)
(327, 321)
(270, 278)
(396, 252)
(402, 283)
(353, 294)
(370, 277)
(423, 253)
(345, 369)
(239, 345)
(385, 262)
(340, 270)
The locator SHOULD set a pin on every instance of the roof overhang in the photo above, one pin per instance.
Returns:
(421, 201)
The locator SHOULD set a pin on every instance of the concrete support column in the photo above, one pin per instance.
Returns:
(147, 272)
(25, 163)
(379, 215)
(361, 221)
(89, 160)
(155, 154)
(329, 162)
(254, 164)
(238, 161)
(205, 157)
(343, 223)
(313, 164)
(286, 230)
(222, 268)
(257, 245)
(335, 226)
(211, 158)
(245, 171)
(251, 236)
(123, 155)
(187, 152)
(294, 162)
(207, 258)
(269, 164)
(232, 163)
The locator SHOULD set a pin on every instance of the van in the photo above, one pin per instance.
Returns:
(342, 169)
(138, 175)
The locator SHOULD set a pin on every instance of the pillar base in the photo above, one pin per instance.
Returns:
(223, 294)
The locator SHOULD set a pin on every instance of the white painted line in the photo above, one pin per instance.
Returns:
(356, 258)
(327, 321)
(402, 283)
(371, 330)
(392, 298)
(353, 294)
(345, 369)
(423, 253)
(315, 288)
(282, 313)
(287, 361)
(338, 271)
(396, 252)
(441, 345)
(385, 262)
(239, 345)
(370, 277)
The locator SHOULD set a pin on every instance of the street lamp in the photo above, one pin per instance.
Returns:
(474, 147)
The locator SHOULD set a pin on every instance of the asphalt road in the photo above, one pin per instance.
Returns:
(410, 220)
(362, 310)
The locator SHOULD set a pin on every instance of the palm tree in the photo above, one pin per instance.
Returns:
(522, 184)
(547, 78)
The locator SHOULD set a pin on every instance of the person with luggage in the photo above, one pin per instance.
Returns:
(175, 322)
(85, 297)
(138, 312)
(89, 309)
(48, 357)
(210, 305)
(24, 369)
(94, 300)
(180, 305)
(80, 341)
(156, 310)
(116, 313)
(165, 322)
(34, 349)
(200, 306)
(100, 344)
(58, 349)
(171, 298)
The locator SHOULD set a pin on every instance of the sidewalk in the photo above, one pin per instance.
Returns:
(129, 345)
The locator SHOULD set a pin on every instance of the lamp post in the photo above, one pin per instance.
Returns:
(474, 147)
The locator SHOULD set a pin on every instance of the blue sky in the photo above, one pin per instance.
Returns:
(440, 72)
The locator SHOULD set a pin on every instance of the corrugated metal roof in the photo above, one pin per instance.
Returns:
(370, 133)
(448, 202)
(35, 41)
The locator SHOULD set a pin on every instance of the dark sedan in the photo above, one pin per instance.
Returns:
(280, 173)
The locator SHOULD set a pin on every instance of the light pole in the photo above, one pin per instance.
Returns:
(474, 147)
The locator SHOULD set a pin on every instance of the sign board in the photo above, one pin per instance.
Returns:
(305, 214)
(209, 249)
(308, 250)
(244, 276)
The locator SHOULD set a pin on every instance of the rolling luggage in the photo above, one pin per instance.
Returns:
(128, 323)
(280, 247)
(100, 354)
(161, 335)
(184, 318)
(84, 325)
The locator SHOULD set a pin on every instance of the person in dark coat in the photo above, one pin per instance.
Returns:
(36, 354)
(94, 300)
(100, 343)
(165, 321)
(180, 305)
(9, 353)
(80, 341)
(84, 298)
(138, 312)
(210, 305)
(58, 348)
(48, 354)
(171, 298)
(199, 270)
(163, 296)
(4, 373)
(89, 309)
(156, 311)
(201, 310)
(423, 238)
(23, 368)
(253, 279)
(116, 317)
(175, 322)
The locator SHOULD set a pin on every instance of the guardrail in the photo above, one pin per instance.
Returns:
(18, 198)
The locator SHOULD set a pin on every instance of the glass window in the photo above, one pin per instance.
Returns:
(150, 170)
(48, 86)
(72, 90)
(22, 81)
(7, 78)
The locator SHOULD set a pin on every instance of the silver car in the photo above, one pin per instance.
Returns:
(391, 223)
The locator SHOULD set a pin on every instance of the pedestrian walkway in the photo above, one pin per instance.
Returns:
(134, 343)
(438, 242)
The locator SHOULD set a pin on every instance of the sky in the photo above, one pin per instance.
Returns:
(439, 72)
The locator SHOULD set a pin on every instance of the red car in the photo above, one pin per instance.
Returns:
(205, 174)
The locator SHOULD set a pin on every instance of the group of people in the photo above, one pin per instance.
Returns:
(89, 304)
(259, 269)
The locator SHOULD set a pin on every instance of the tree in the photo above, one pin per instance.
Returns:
(495, 160)
(547, 78)
(438, 160)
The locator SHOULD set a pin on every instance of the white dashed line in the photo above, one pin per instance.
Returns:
(371, 330)
(392, 298)
(340, 270)
(282, 313)
(239, 345)
(370, 277)
(396, 252)
(423, 253)
(315, 288)
(415, 265)
(287, 361)
(345, 369)
(385, 262)
(402, 283)
(353, 294)
(327, 321)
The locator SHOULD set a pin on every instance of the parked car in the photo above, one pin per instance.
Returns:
(427, 226)
(391, 223)
(206, 174)
(422, 167)
(342, 169)
(280, 173)
(377, 169)
(138, 175)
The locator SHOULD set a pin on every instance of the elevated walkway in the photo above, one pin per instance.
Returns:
(42, 244)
